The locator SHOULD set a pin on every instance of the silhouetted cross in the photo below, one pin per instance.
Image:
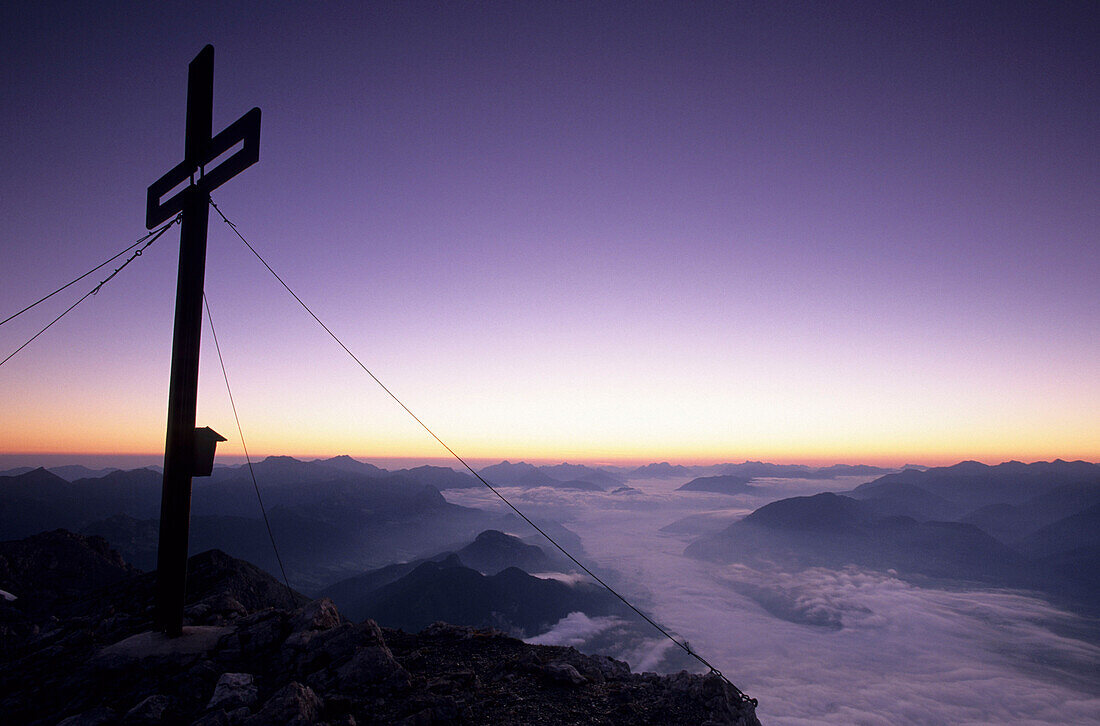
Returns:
(186, 454)
(200, 149)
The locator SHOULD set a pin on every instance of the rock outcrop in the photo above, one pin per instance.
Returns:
(254, 654)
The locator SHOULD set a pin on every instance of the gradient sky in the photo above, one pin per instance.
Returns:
(585, 231)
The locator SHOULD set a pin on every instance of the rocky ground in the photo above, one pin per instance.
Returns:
(77, 648)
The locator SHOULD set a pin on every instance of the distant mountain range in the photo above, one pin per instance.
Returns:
(562, 476)
(330, 518)
(1014, 525)
(760, 469)
(576, 476)
(610, 477)
(329, 522)
(970, 484)
(70, 472)
(1026, 525)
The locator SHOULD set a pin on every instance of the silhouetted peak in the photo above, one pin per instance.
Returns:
(519, 474)
(722, 484)
(513, 574)
(282, 460)
(970, 467)
(451, 560)
(37, 477)
(820, 511)
(660, 470)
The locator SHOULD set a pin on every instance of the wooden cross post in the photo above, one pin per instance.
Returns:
(180, 460)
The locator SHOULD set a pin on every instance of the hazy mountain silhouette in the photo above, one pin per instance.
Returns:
(763, 469)
(351, 592)
(510, 600)
(37, 484)
(280, 470)
(830, 530)
(346, 463)
(1077, 531)
(440, 477)
(754, 469)
(286, 469)
(663, 470)
(852, 470)
(625, 490)
(723, 484)
(578, 472)
(491, 552)
(72, 472)
(329, 522)
(702, 523)
(520, 474)
(971, 484)
(69, 472)
(1011, 522)
(908, 500)
(242, 537)
(1021, 525)
(824, 512)
(40, 500)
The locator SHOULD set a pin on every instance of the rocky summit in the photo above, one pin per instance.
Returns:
(82, 652)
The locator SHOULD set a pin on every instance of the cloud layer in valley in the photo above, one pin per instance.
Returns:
(823, 646)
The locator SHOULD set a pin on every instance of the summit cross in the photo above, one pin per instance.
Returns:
(188, 451)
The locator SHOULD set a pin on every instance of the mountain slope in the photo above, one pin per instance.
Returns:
(1011, 522)
(1078, 531)
(833, 531)
(493, 551)
(509, 600)
(901, 498)
(971, 485)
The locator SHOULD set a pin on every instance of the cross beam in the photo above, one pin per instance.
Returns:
(182, 446)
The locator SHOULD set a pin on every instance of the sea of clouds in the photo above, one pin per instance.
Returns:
(818, 646)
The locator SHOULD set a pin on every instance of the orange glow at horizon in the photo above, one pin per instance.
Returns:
(343, 414)
(431, 452)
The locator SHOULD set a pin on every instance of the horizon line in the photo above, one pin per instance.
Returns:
(101, 460)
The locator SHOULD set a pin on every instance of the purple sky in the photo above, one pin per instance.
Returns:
(580, 231)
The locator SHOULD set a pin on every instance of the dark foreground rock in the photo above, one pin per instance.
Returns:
(245, 662)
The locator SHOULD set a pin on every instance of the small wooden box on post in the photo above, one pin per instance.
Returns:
(189, 451)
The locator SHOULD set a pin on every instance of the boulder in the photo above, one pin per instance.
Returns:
(155, 709)
(233, 691)
(293, 705)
